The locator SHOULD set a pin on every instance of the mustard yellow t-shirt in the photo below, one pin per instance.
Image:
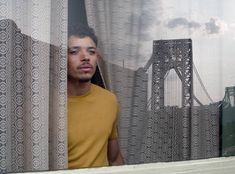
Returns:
(91, 122)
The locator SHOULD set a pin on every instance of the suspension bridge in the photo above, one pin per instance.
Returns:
(152, 131)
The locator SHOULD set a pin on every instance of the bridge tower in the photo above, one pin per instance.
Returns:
(167, 55)
(229, 97)
(177, 55)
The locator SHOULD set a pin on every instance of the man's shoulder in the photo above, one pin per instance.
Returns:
(103, 91)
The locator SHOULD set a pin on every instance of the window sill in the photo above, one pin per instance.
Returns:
(225, 165)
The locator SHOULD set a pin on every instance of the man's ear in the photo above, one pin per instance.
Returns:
(99, 55)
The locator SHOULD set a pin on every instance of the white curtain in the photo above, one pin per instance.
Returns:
(33, 94)
(169, 63)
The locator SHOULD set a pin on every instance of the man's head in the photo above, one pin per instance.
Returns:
(82, 53)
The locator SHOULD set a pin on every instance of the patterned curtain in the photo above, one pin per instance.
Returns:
(33, 94)
(169, 62)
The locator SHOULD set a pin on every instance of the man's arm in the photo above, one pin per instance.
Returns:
(114, 153)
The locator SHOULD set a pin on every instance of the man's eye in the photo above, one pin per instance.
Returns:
(91, 51)
(73, 51)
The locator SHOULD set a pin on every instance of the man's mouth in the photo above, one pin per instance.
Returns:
(85, 68)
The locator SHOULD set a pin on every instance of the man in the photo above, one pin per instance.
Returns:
(92, 110)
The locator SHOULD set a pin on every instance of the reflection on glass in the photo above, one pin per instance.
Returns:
(171, 96)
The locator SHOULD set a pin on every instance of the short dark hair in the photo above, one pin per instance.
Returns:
(82, 31)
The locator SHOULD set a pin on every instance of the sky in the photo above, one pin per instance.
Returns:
(209, 23)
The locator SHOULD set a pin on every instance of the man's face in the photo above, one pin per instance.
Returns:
(82, 57)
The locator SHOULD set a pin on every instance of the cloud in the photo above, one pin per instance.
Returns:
(215, 26)
(182, 22)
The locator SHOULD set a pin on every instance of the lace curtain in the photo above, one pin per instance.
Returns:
(170, 63)
(33, 94)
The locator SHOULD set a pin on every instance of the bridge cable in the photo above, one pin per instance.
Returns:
(201, 83)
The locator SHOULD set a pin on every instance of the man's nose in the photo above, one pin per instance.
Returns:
(84, 54)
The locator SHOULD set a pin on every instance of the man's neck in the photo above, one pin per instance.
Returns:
(76, 88)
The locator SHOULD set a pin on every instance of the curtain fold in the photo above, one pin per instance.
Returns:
(33, 44)
(158, 61)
